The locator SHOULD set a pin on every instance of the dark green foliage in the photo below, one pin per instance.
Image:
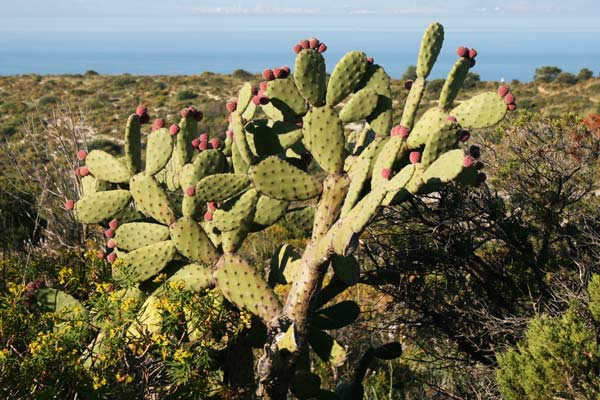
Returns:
(546, 74)
(410, 73)
(185, 95)
(585, 74)
(566, 78)
(241, 74)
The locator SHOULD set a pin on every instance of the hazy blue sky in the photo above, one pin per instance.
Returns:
(568, 9)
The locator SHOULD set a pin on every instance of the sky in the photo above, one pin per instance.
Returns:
(569, 10)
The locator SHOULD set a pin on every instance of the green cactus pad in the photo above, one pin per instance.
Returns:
(268, 212)
(326, 347)
(454, 82)
(412, 103)
(250, 111)
(431, 44)
(158, 150)
(184, 151)
(195, 277)
(481, 111)
(220, 187)
(90, 185)
(279, 180)
(309, 74)
(237, 212)
(60, 303)
(343, 236)
(190, 206)
(360, 175)
(239, 138)
(191, 241)
(267, 138)
(445, 169)
(99, 206)
(392, 151)
(324, 136)
(150, 199)
(207, 163)
(431, 121)
(445, 139)
(380, 120)
(133, 235)
(401, 179)
(286, 97)
(106, 167)
(301, 218)
(133, 144)
(360, 106)
(231, 241)
(283, 262)
(243, 286)
(346, 269)
(288, 340)
(145, 262)
(337, 316)
(169, 175)
(244, 97)
(128, 214)
(348, 73)
(366, 209)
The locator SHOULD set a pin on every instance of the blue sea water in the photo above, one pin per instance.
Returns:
(509, 48)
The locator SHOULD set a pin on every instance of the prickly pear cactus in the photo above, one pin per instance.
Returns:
(186, 207)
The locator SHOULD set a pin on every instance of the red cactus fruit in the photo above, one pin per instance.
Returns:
(231, 106)
(305, 44)
(190, 191)
(472, 63)
(192, 109)
(215, 143)
(84, 171)
(399, 130)
(111, 243)
(111, 258)
(185, 112)
(286, 69)
(408, 84)
(475, 151)
(472, 53)
(512, 107)
(113, 224)
(300, 124)
(76, 172)
(174, 129)
(109, 233)
(208, 216)
(386, 173)
(464, 136)
(70, 204)
(256, 100)
(370, 60)
(141, 110)
(297, 49)
(211, 205)
(451, 119)
(159, 123)
(195, 143)
(503, 90)
(314, 43)
(82, 155)
(268, 74)
(203, 137)
(509, 98)
(414, 157)
(468, 161)
(462, 51)
(229, 134)
(203, 145)
(322, 48)
(198, 115)
(263, 86)
(100, 254)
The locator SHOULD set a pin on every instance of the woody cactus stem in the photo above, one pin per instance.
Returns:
(188, 208)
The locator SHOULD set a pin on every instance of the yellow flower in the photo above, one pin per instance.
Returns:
(160, 278)
(65, 274)
(99, 382)
(181, 355)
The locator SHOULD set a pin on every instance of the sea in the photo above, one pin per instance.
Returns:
(509, 47)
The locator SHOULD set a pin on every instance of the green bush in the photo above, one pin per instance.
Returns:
(546, 74)
(185, 95)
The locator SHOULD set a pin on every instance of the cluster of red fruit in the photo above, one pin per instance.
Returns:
(508, 97)
(465, 52)
(312, 44)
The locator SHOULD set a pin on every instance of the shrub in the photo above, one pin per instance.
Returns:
(242, 74)
(185, 95)
(546, 74)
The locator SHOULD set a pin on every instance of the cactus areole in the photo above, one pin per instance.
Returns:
(191, 202)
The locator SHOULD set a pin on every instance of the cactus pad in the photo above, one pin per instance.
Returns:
(348, 72)
(158, 150)
(219, 187)
(286, 97)
(191, 241)
(446, 168)
(99, 206)
(60, 303)
(412, 103)
(431, 121)
(150, 199)
(106, 167)
(301, 218)
(309, 74)
(268, 211)
(431, 44)
(481, 111)
(380, 120)
(133, 235)
(360, 106)
(324, 136)
(237, 212)
(146, 261)
(267, 138)
(244, 287)
(279, 180)
(326, 347)
(244, 97)
(239, 138)
(441, 141)
(454, 82)
(133, 144)
(346, 269)
(337, 316)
